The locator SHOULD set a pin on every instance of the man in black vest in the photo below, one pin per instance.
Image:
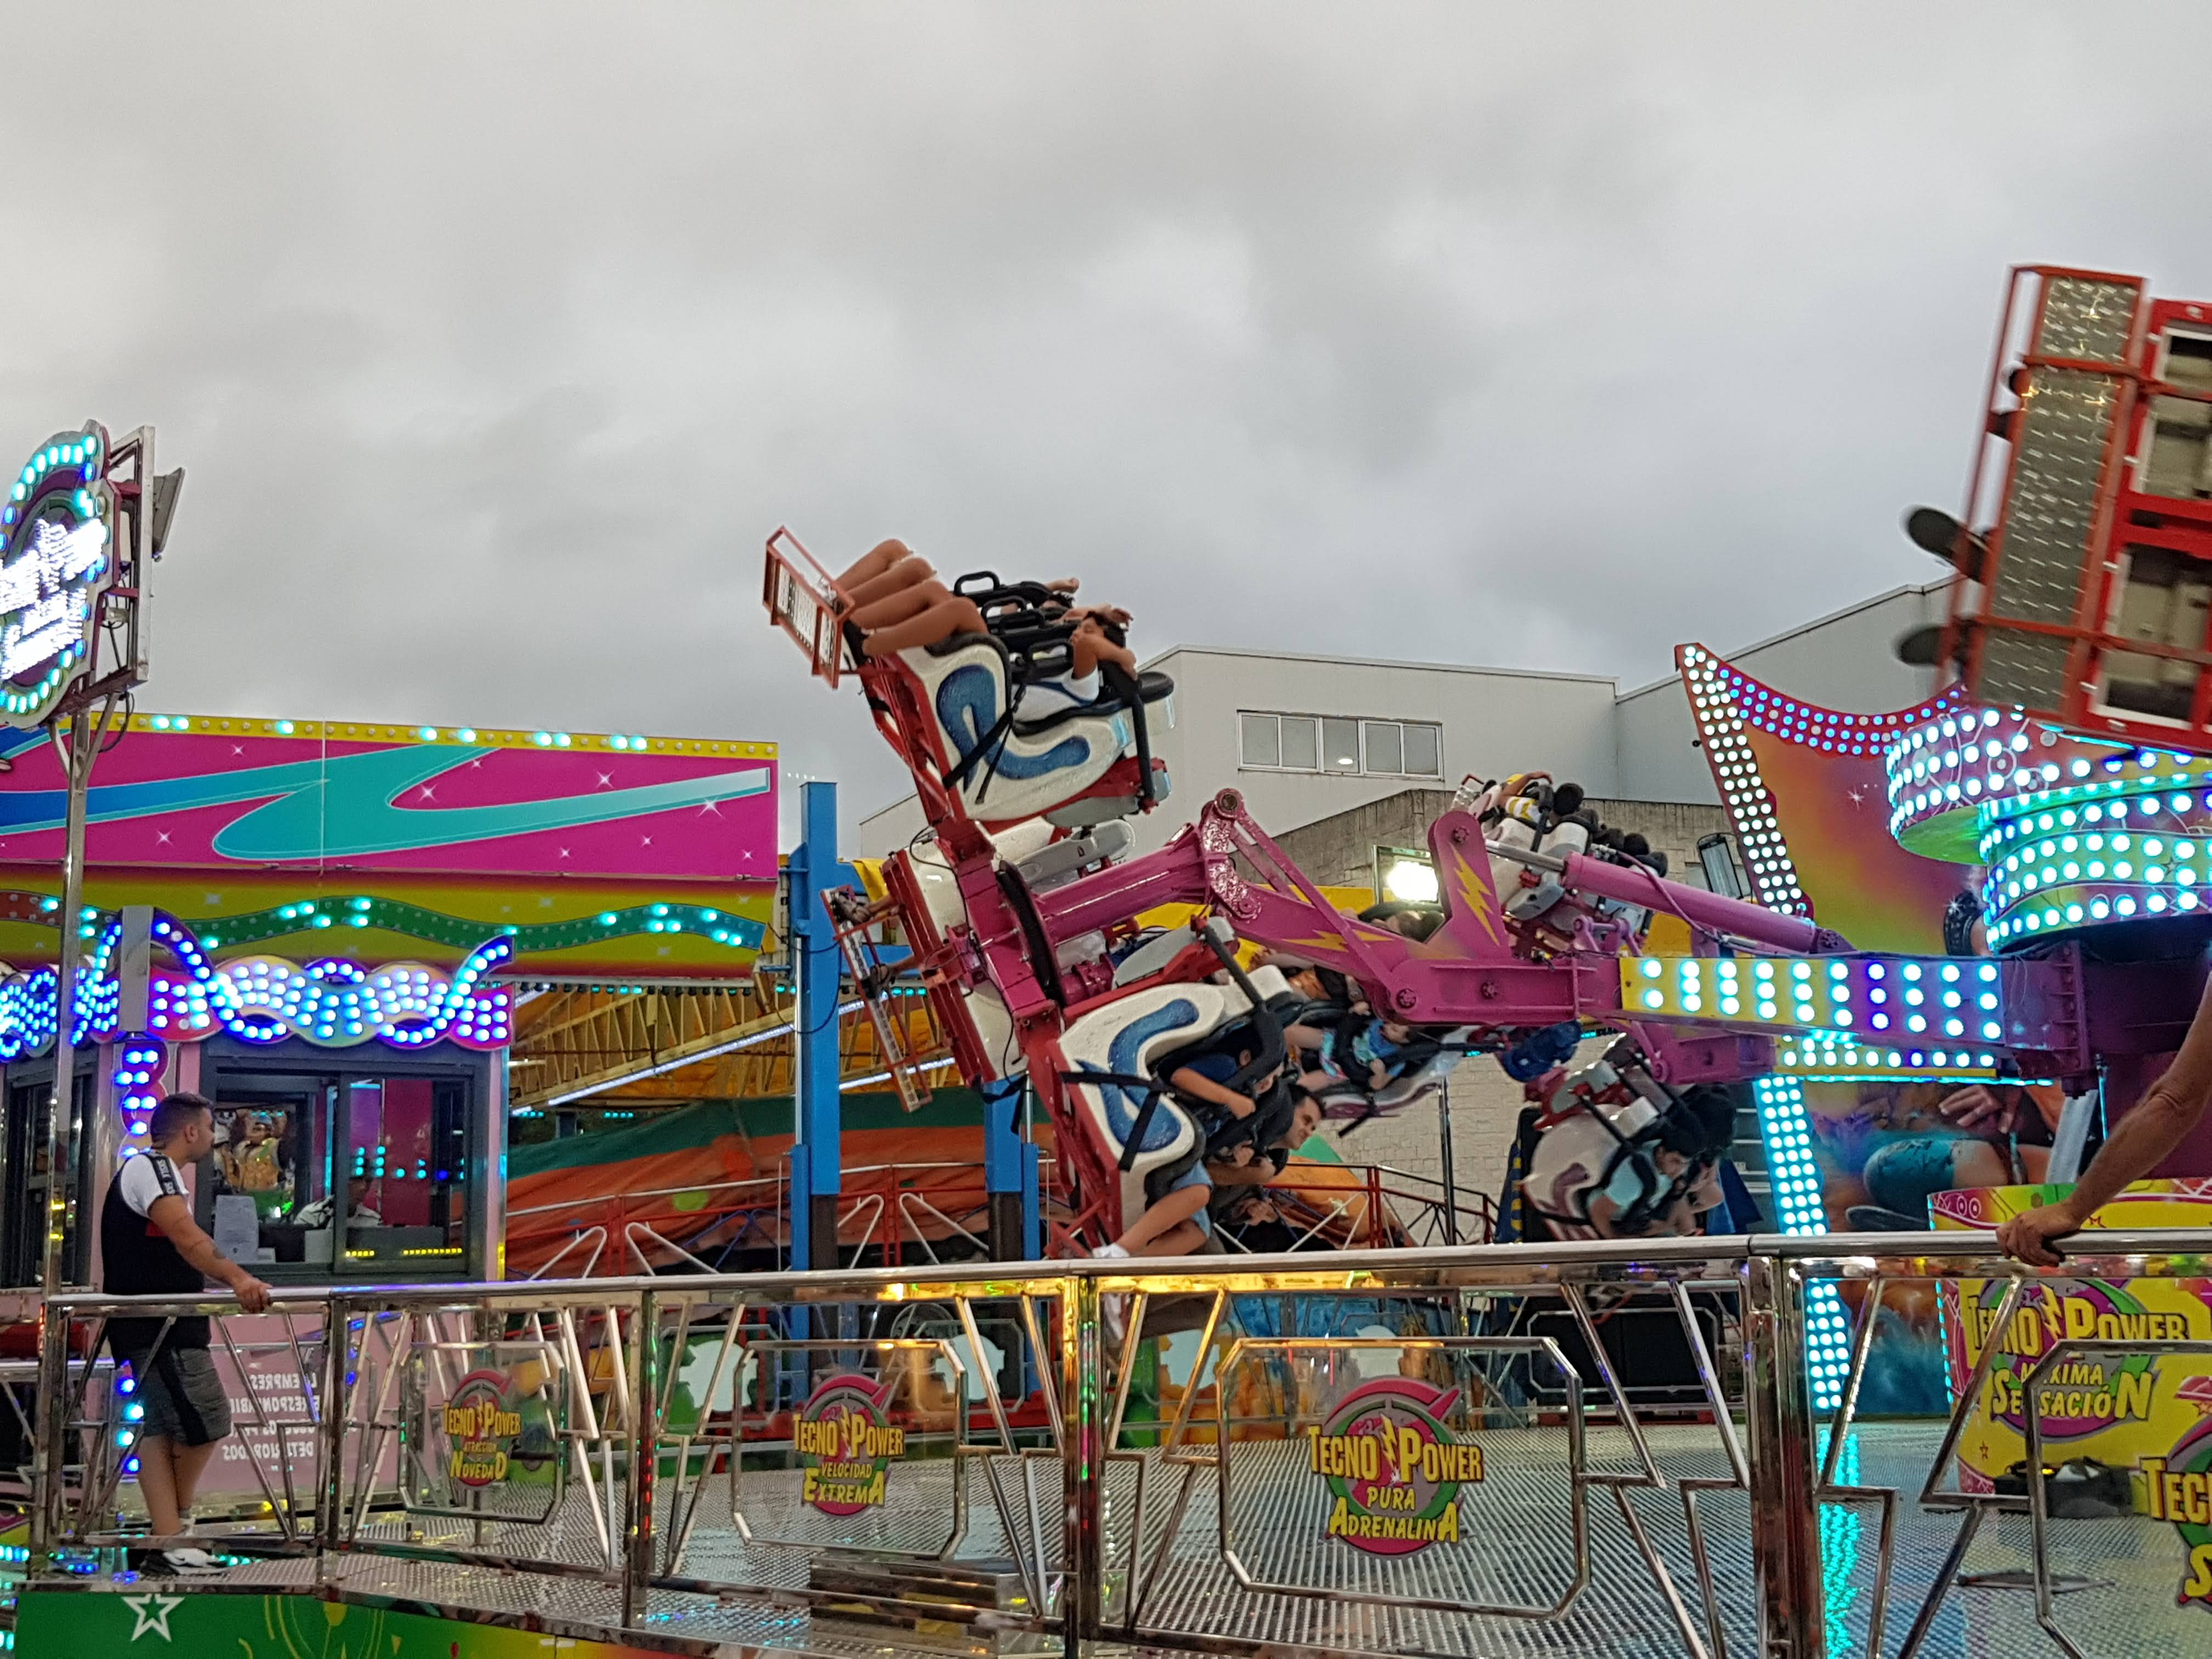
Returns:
(150, 1245)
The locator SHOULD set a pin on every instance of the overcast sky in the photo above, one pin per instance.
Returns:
(497, 337)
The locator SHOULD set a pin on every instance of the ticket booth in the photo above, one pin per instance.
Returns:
(367, 1163)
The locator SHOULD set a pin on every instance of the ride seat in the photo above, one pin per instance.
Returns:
(1003, 774)
(1136, 1036)
(1152, 686)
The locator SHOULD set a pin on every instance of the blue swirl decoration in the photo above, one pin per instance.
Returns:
(967, 707)
(332, 1003)
(1123, 1054)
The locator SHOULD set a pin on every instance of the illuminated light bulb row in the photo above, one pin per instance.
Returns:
(80, 454)
(1828, 729)
(1795, 1183)
(1810, 1058)
(2015, 778)
(622, 743)
(263, 1000)
(1932, 998)
(28, 1013)
(2156, 858)
(2070, 828)
(2084, 906)
(21, 700)
(137, 1079)
(1935, 753)
(1715, 699)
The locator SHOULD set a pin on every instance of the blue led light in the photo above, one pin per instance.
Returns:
(1796, 1190)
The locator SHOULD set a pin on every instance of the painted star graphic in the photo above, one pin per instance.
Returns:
(152, 1613)
(1858, 796)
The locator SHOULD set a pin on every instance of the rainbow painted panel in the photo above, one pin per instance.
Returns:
(574, 929)
(1803, 787)
(217, 792)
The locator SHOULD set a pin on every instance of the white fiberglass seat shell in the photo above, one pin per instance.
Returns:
(987, 1009)
(1126, 1037)
(1022, 777)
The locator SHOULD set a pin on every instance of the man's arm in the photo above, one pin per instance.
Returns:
(2160, 1122)
(174, 1218)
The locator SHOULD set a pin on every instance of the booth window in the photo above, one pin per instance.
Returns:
(339, 1174)
(1342, 745)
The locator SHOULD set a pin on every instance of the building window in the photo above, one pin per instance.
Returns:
(1312, 743)
(1259, 740)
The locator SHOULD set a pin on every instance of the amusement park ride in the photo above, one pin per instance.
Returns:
(2063, 766)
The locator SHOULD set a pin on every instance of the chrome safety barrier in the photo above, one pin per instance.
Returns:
(1590, 1448)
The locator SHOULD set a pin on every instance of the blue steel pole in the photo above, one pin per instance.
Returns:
(816, 1166)
(1010, 1174)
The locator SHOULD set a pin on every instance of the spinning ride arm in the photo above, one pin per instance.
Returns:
(1022, 954)
(1467, 974)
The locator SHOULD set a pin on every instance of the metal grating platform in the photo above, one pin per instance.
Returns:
(1516, 1549)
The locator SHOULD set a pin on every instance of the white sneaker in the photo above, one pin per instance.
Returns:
(190, 1560)
(1115, 1310)
(1110, 1252)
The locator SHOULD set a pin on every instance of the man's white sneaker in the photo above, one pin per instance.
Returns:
(189, 1560)
(1110, 1252)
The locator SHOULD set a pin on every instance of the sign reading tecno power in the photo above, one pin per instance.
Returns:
(55, 563)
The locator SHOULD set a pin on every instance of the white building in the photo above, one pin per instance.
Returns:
(1308, 736)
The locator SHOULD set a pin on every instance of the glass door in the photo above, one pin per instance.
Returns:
(404, 1162)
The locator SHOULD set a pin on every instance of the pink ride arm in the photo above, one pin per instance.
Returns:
(1467, 974)
(1799, 935)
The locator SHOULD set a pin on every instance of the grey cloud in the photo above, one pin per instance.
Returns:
(498, 337)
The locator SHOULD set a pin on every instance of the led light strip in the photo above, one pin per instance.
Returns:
(1824, 1057)
(1908, 1000)
(414, 921)
(330, 1003)
(885, 1077)
(2112, 850)
(1795, 1183)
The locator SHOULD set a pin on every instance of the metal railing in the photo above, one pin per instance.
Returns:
(1583, 1448)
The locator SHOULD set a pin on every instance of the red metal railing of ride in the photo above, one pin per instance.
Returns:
(718, 1217)
(911, 1212)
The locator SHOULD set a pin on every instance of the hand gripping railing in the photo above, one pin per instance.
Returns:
(662, 1437)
